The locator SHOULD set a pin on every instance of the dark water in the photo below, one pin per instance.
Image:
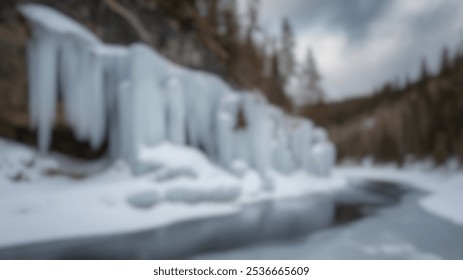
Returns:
(373, 220)
(366, 198)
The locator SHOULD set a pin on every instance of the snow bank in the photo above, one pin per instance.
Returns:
(185, 202)
(169, 231)
(447, 204)
(138, 100)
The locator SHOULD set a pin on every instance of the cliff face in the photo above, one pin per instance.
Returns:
(13, 81)
(422, 120)
(195, 33)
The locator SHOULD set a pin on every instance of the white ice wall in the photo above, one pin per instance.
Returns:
(139, 100)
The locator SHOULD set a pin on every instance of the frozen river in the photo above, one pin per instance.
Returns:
(401, 230)
(369, 220)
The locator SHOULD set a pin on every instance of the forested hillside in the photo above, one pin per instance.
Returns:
(422, 119)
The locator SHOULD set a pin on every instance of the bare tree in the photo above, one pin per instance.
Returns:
(131, 18)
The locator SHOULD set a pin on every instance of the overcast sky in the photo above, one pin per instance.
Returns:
(360, 44)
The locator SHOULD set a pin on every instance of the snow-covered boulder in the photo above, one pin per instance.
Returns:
(144, 200)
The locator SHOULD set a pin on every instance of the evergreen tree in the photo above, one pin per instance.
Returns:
(252, 18)
(445, 63)
(310, 91)
(424, 70)
(286, 58)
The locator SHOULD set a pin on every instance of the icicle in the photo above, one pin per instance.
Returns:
(241, 145)
(225, 139)
(68, 65)
(226, 121)
(194, 93)
(214, 90)
(255, 109)
(44, 73)
(300, 142)
(282, 158)
(128, 149)
(96, 105)
(149, 103)
(323, 157)
(175, 111)
(80, 95)
(115, 61)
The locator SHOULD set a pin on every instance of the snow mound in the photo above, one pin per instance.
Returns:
(446, 204)
(144, 199)
(196, 193)
(169, 159)
(188, 176)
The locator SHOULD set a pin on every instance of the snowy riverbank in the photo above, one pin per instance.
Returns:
(56, 207)
(54, 198)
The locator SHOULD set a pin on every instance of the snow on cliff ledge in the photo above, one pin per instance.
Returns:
(142, 100)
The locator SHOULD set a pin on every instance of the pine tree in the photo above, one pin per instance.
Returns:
(252, 18)
(445, 63)
(310, 91)
(286, 58)
(424, 70)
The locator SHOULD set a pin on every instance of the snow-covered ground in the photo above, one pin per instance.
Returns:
(55, 198)
(46, 198)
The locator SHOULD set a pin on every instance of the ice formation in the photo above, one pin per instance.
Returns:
(138, 100)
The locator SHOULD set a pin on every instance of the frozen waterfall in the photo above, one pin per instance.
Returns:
(137, 99)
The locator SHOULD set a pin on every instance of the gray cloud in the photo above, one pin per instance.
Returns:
(353, 17)
(381, 40)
